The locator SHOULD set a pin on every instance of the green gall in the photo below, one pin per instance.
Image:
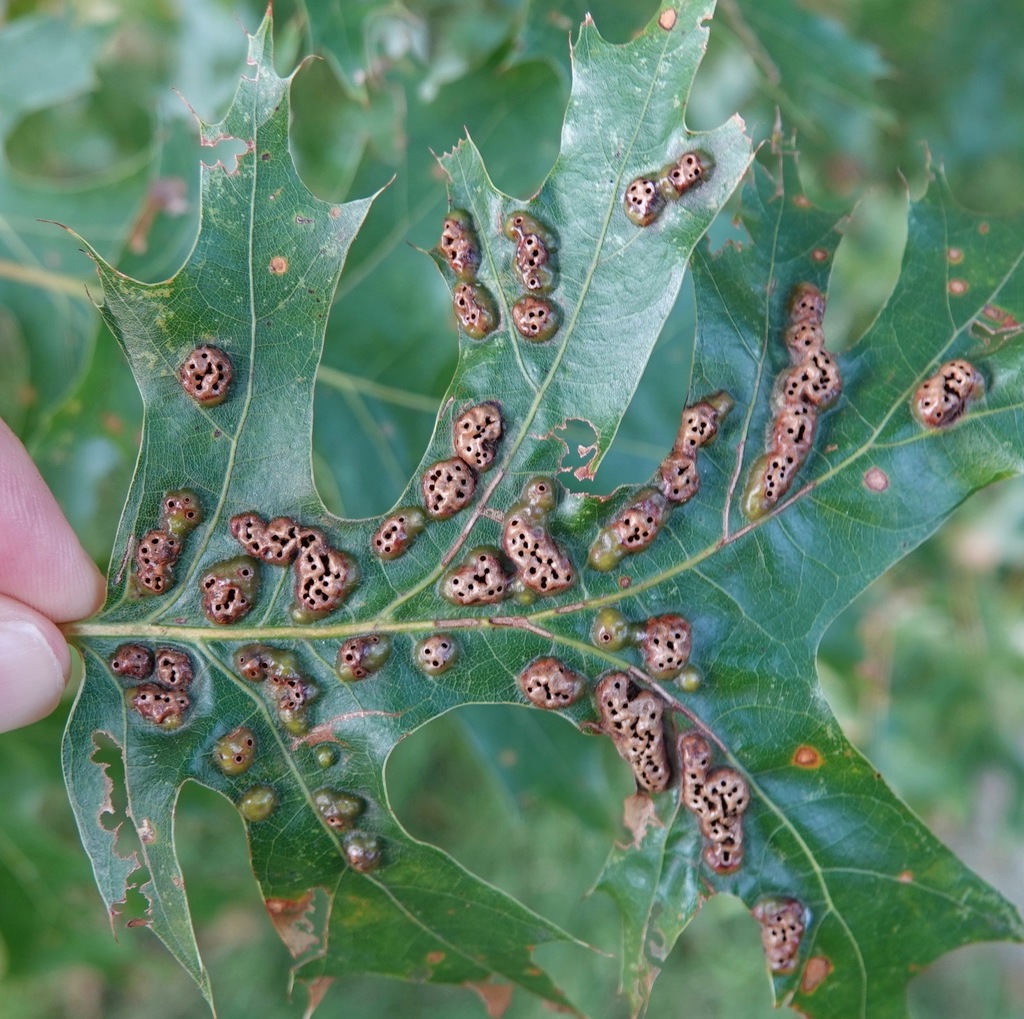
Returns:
(362, 851)
(257, 803)
(606, 552)
(689, 679)
(611, 630)
(398, 531)
(536, 319)
(233, 753)
(293, 720)
(540, 494)
(520, 223)
(362, 656)
(326, 754)
(338, 809)
(181, 512)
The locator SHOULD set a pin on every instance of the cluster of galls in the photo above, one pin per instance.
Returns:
(289, 690)
(340, 811)
(664, 643)
(164, 700)
(718, 798)
(811, 384)
(158, 550)
(943, 397)
(206, 375)
(783, 922)
(323, 576)
(448, 486)
(637, 524)
(541, 566)
(474, 306)
(536, 319)
(632, 718)
(647, 196)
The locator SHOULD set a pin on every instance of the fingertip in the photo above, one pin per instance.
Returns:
(35, 663)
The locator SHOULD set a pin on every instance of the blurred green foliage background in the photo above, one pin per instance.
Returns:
(925, 670)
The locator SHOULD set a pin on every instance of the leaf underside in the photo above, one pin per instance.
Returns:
(882, 897)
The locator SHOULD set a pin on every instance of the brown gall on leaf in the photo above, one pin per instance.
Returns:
(782, 924)
(677, 476)
(173, 668)
(811, 385)
(943, 398)
(132, 660)
(542, 568)
(157, 552)
(362, 850)
(234, 752)
(549, 683)
(476, 433)
(277, 542)
(324, 578)
(360, 657)
(459, 244)
(665, 643)
(475, 309)
(667, 19)
(229, 589)
(206, 375)
(397, 532)
(436, 654)
(643, 201)
(534, 257)
(535, 318)
(481, 580)
(678, 177)
(448, 487)
(278, 265)
(633, 720)
(718, 798)
(163, 708)
(633, 529)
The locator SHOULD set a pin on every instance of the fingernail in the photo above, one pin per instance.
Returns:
(31, 677)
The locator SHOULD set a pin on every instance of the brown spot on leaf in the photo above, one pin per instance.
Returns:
(958, 287)
(876, 480)
(625, 582)
(807, 757)
(278, 265)
(496, 997)
(293, 921)
(147, 833)
(906, 877)
(820, 255)
(955, 256)
(983, 228)
(638, 816)
(667, 19)
(433, 958)
(802, 202)
(816, 970)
